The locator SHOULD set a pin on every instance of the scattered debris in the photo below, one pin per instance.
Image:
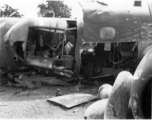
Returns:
(71, 100)
(46, 80)
(55, 81)
(25, 83)
(58, 92)
(33, 81)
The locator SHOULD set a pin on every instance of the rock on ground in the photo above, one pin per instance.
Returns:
(104, 91)
(96, 110)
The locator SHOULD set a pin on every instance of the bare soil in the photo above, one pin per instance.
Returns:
(33, 103)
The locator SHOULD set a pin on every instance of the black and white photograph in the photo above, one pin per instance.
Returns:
(75, 59)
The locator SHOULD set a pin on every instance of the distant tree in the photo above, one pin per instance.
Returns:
(54, 9)
(8, 11)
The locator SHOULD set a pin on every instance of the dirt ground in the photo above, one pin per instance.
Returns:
(33, 103)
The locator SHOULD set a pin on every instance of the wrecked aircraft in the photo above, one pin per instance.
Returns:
(109, 38)
(105, 40)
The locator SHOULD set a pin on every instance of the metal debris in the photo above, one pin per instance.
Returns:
(25, 80)
(58, 92)
(46, 80)
(71, 100)
(25, 83)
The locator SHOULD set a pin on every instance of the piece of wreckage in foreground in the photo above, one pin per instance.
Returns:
(109, 37)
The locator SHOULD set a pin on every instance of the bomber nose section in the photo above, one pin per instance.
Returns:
(6, 54)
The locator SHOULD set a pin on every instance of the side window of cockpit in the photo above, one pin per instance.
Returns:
(70, 43)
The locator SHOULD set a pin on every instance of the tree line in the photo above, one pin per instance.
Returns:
(50, 9)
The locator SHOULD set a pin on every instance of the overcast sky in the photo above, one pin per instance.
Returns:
(29, 7)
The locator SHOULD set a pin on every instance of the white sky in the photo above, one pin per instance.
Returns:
(29, 7)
